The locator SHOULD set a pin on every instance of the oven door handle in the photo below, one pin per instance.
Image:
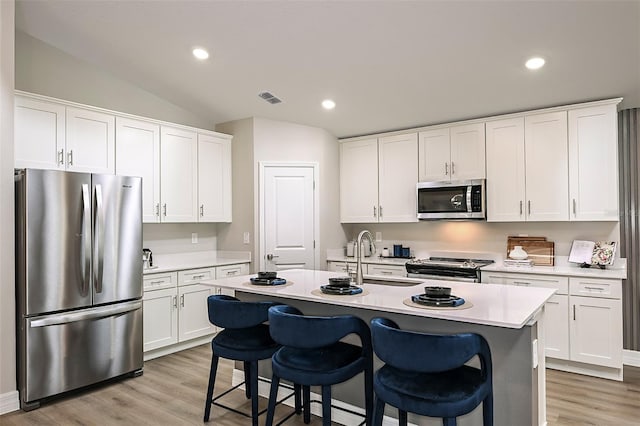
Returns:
(442, 278)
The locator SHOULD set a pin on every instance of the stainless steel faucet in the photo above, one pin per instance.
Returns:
(361, 235)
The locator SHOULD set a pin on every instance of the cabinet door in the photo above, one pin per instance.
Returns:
(194, 314)
(556, 327)
(596, 331)
(505, 170)
(467, 152)
(434, 154)
(397, 178)
(232, 270)
(593, 163)
(359, 181)
(547, 168)
(178, 175)
(214, 179)
(160, 318)
(39, 134)
(90, 141)
(138, 154)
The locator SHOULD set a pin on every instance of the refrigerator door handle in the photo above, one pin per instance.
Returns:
(88, 314)
(86, 240)
(99, 241)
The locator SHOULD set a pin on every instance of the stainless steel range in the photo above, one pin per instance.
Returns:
(446, 268)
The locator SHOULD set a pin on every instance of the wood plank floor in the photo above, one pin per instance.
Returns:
(172, 392)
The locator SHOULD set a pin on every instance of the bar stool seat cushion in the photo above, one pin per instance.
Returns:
(246, 344)
(450, 392)
(324, 366)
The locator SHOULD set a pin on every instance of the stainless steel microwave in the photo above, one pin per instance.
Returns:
(451, 200)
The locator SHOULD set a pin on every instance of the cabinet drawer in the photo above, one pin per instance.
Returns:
(343, 266)
(159, 281)
(194, 276)
(390, 270)
(231, 270)
(592, 287)
(561, 284)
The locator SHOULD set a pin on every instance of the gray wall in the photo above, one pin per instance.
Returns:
(7, 301)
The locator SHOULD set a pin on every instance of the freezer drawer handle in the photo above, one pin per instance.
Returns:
(85, 315)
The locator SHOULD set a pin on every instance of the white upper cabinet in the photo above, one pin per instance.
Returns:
(214, 178)
(359, 181)
(397, 178)
(452, 153)
(90, 141)
(505, 170)
(138, 154)
(378, 179)
(39, 134)
(179, 175)
(593, 163)
(547, 169)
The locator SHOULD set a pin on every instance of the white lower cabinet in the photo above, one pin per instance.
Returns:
(175, 305)
(583, 320)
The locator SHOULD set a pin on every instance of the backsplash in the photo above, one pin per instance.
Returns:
(163, 238)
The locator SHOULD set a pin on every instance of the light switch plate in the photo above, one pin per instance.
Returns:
(245, 238)
(378, 236)
(194, 238)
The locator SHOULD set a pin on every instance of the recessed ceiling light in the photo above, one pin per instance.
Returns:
(200, 53)
(328, 104)
(535, 63)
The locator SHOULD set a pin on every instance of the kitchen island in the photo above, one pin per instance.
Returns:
(509, 317)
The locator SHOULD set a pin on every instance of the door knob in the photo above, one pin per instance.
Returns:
(271, 256)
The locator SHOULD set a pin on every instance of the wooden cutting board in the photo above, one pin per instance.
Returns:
(540, 251)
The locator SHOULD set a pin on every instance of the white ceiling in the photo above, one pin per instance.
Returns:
(387, 64)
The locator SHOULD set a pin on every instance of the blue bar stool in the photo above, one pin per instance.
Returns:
(426, 374)
(245, 338)
(313, 355)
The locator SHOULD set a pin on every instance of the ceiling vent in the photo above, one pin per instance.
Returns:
(269, 97)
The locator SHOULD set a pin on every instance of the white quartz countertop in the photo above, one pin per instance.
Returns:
(492, 304)
(205, 259)
(617, 271)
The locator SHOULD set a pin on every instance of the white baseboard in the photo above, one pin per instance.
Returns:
(337, 416)
(631, 358)
(9, 402)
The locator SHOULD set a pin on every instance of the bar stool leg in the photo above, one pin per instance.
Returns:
(273, 397)
(402, 418)
(247, 379)
(306, 402)
(212, 380)
(297, 390)
(368, 393)
(487, 410)
(449, 421)
(378, 414)
(253, 376)
(326, 405)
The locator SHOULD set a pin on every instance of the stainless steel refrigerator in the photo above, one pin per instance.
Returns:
(78, 280)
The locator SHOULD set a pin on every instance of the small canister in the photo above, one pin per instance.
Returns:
(385, 252)
(406, 252)
(397, 250)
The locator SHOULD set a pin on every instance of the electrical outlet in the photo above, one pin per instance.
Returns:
(194, 238)
(378, 236)
(245, 238)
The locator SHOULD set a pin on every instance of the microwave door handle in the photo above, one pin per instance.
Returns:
(469, 208)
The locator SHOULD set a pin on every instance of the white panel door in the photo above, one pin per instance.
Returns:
(592, 331)
(359, 181)
(467, 152)
(179, 175)
(547, 168)
(214, 179)
(160, 318)
(287, 206)
(556, 327)
(138, 154)
(90, 141)
(505, 170)
(194, 314)
(593, 163)
(434, 153)
(39, 134)
(397, 178)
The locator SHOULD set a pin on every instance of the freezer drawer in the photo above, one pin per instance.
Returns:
(66, 351)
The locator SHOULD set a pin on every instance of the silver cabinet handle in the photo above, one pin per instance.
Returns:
(520, 207)
(156, 282)
(529, 206)
(98, 241)
(182, 300)
(380, 211)
(164, 209)
(197, 277)
(201, 210)
(158, 209)
(375, 212)
(175, 301)
(574, 206)
(70, 157)
(574, 312)
(521, 283)
(446, 168)
(61, 157)
(453, 169)
(232, 272)
(593, 288)
(386, 272)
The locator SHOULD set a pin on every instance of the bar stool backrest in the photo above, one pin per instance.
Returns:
(229, 312)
